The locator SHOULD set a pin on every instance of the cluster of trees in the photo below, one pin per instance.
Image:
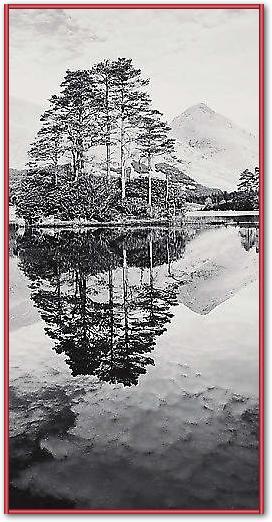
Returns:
(105, 111)
(104, 320)
(246, 197)
(249, 181)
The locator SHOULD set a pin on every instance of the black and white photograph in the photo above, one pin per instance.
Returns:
(134, 259)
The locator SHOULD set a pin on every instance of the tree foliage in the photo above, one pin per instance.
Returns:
(104, 108)
(152, 140)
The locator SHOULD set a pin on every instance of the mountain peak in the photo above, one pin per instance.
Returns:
(200, 111)
(214, 150)
(202, 107)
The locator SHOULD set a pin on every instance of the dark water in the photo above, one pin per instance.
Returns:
(134, 367)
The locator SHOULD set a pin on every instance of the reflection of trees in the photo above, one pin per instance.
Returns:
(12, 242)
(97, 315)
(249, 238)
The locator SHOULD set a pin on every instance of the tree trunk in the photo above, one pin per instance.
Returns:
(123, 173)
(168, 254)
(74, 165)
(108, 132)
(167, 190)
(56, 170)
(76, 174)
(149, 182)
(79, 164)
(122, 159)
(108, 160)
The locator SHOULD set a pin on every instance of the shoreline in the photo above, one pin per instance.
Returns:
(222, 213)
(187, 218)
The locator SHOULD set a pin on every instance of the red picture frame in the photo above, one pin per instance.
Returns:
(7, 8)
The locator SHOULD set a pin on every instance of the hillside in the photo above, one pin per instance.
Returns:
(212, 149)
(190, 185)
(24, 123)
(187, 184)
(137, 187)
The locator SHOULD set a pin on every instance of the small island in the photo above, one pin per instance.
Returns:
(104, 156)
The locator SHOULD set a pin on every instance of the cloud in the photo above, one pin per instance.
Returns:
(50, 30)
(189, 55)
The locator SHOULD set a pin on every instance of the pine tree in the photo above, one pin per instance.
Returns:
(76, 110)
(47, 149)
(246, 181)
(103, 76)
(256, 180)
(131, 102)
(153, 140)
(247, 195)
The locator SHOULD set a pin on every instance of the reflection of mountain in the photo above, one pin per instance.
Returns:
(214, 268)
(105, 325)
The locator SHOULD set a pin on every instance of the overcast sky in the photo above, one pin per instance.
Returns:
(190, 56)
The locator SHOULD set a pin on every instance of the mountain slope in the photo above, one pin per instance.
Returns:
(187, 184)
(213, 150)
(24, 123)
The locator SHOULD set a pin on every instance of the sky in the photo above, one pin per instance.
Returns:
(190, 56)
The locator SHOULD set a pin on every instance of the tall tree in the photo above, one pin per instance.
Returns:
(247, 196)
(153, 140)
(131, 102)
(77, 110)
(256, 181)
(246, 181)
(103, 75)
(47, 149)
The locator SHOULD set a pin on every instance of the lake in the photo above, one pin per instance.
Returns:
(134, 367)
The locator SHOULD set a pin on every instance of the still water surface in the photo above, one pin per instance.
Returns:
(134, 367)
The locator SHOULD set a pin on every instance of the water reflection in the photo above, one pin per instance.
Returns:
(104, 320)
(99, 297)
(190, 426)
(249, 238)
